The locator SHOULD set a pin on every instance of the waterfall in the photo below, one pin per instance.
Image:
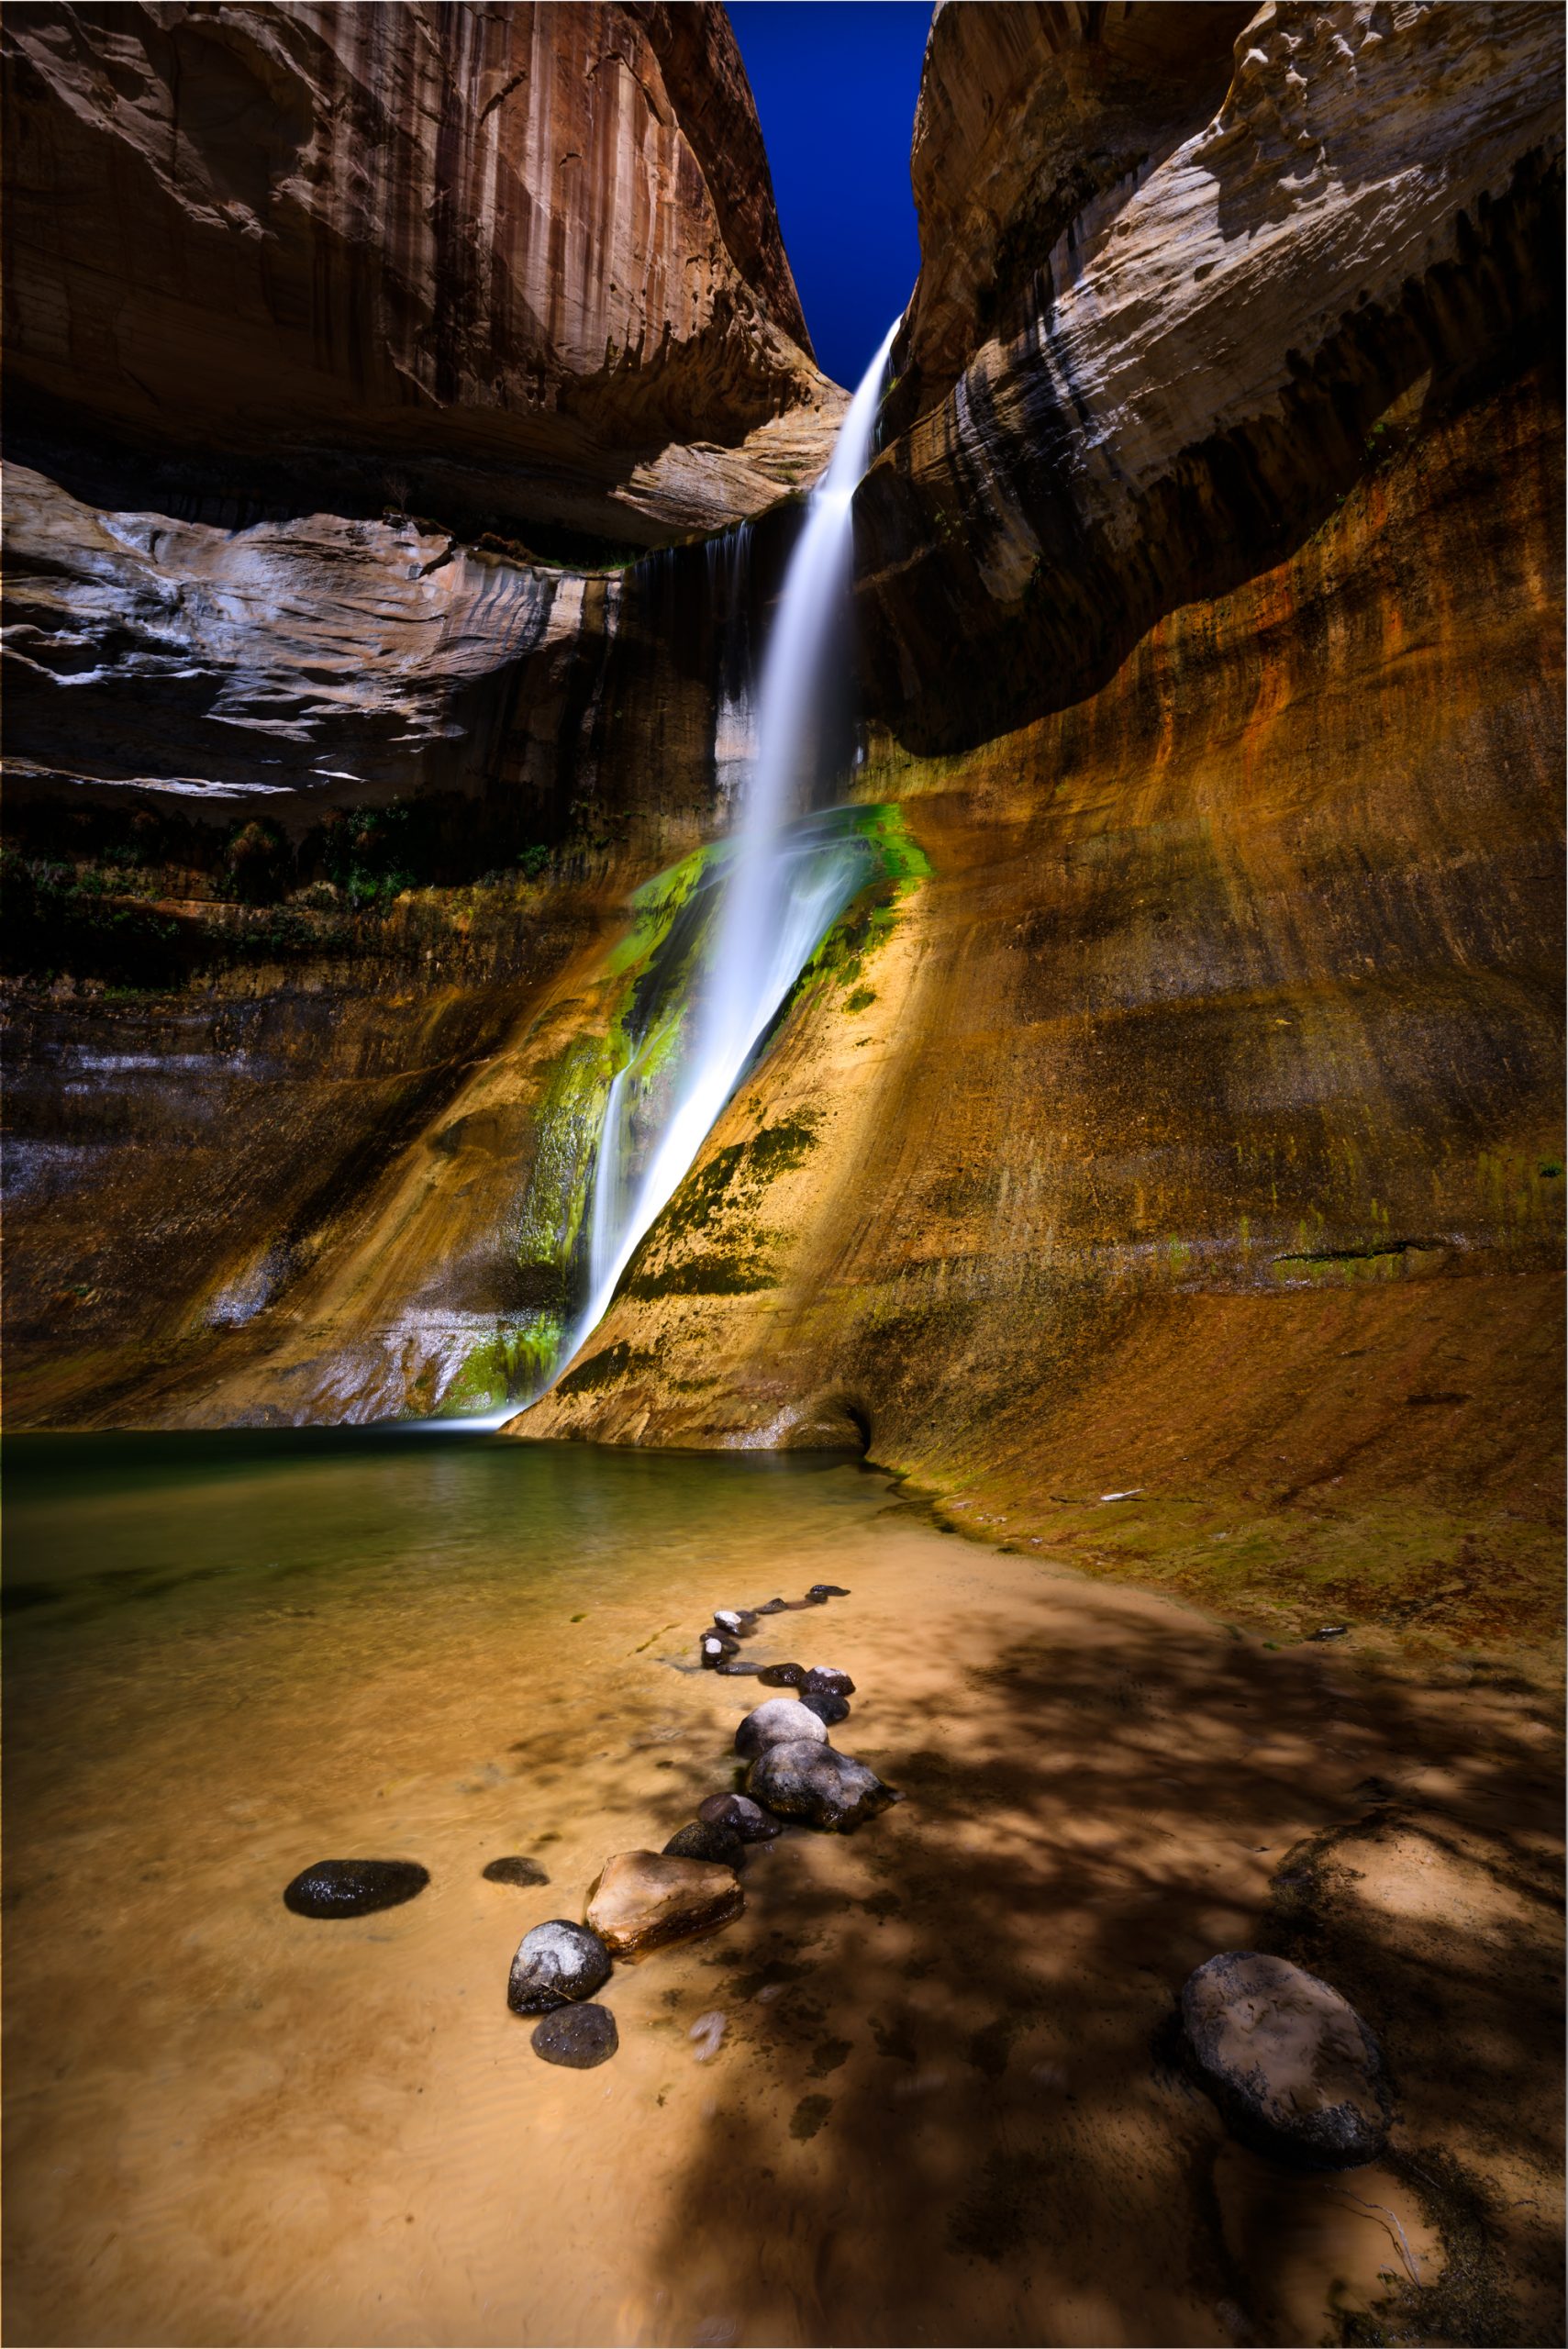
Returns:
(779, 891)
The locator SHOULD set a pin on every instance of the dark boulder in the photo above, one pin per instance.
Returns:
(354, 1887)
(556, 1963)
(805, 1780)
(827, 1708)
(1290, 2064)
(820, 1590)
(717, 1647)
(781, 1676)
(578, 2037)
(514, 1869)
(825, 1680)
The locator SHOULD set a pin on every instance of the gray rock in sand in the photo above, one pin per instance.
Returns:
(1288, 2061)
(780, 1719)
(811, 1781)
(578, 2037)
(740, 1816)
(556, 1963)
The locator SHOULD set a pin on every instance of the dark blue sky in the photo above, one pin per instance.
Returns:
(835, 82)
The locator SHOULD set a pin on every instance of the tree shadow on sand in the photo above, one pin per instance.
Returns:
(952, 2107)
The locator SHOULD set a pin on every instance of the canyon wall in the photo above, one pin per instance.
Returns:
(353, 356)
(516, 264)
(1178, 1110)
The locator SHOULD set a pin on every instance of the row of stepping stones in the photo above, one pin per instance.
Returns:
(1292, 2067)
(642, 1900)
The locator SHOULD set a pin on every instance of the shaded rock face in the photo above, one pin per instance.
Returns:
(1289, 2061)
(1027, 113)
(1174, 346)
(508, 263)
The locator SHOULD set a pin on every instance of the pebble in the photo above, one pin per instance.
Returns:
(556, 1963)
(514, 1869)
(577, 2037)
(778, 1722)
(708, 2033)
(354, 1887)
(1292, 2067)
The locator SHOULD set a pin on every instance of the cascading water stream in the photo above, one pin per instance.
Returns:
(777, 885)
(777, 898)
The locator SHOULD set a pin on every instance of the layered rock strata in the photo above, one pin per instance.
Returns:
(1180, 340)
(506, 264)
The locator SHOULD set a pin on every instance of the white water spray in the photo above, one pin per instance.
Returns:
(776, 900)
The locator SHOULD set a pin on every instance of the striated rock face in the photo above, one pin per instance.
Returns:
(324, 659)
(505, 263)
(1028, 114)
(1170, 344)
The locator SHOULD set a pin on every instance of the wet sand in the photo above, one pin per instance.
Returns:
(945, 2106)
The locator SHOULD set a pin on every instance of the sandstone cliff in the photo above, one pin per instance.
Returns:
(499, 264)
(1178, 339)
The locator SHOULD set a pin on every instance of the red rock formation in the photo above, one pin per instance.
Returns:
(503, 262)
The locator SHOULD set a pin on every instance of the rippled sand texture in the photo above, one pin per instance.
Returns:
(942, 2107)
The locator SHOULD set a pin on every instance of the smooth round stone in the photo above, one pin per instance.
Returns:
(778, 1722)
(806, 1780)
(514, 1869)
(781, 1676)
(1292, 2067)
(826, 1680)
(354, 1887)
(705, 1841)
(555, 1963)
(820, 1590)
(827, 1708)
(715, 1647)
(578, 2037)
(740, 1816)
